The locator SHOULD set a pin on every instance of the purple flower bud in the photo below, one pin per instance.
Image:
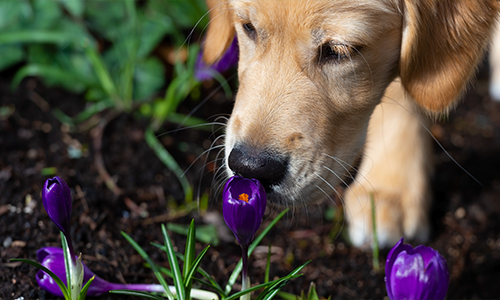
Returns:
(227, 61)
(53, 259)
(56, 198)
(419, 273)
(244, 204)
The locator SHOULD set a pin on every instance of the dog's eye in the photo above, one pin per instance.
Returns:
(333, 52)
(250, 30)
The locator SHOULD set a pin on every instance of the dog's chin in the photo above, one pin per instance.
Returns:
(289, 194)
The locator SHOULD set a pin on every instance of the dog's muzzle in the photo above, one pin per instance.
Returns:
(267, 166)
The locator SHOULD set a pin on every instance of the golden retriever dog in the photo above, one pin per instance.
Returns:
(324, 83)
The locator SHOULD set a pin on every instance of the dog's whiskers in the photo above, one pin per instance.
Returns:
(336, 206)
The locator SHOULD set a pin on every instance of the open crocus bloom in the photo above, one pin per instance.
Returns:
(417, 274)
(53, 259)
(244, 204)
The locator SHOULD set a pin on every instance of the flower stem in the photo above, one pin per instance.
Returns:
(245, 279)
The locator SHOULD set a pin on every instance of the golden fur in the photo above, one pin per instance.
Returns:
(321, 109)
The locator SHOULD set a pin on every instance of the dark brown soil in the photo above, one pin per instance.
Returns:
(466, 215)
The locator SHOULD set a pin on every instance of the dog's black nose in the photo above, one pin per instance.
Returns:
(267, 167)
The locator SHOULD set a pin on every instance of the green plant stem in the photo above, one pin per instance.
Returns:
(376, 263)
(245, 279)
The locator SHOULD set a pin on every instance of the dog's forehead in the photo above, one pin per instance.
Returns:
(307, 10)
(315, 16)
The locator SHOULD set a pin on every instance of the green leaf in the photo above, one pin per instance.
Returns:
(375, 250)
(103, 75)
(58, 281)
(11, 54)
(83, 292)
(204, 233)
(260, 286)
(212, 283)
(109, 18)
(268, 264)
(53, 74)
(14, 14)
(189, 121)
(74, 7)
(46, 14)
(189, 252)
(189, 257)
(168, 161)
(312, 295)
(146, 257)
(251, 248)
(288, 296)
(49, 171)
(67, 265)
(174, 265)
(185, 14)
(196, 263)
(93, 109)
(217, 288)
(37, 36)
(153, 26)
(149, 78)
(136, 294)
(272, 290)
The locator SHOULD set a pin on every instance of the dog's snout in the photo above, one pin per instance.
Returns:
(266, 166)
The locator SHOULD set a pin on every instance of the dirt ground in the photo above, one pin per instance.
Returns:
(465, 214)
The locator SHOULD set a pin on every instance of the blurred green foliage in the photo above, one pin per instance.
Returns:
(103, 49)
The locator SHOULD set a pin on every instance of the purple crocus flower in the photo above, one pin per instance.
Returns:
(244, 204)
(56, 198)
(53, 259)
(228, 60)
(415, 274)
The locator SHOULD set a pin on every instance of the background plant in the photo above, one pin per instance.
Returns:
(107, 50)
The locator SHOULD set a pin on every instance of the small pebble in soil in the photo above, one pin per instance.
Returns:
(460, 213)
(7, 242)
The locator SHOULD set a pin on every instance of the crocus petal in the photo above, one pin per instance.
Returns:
(56, 198)
(391, 258)
(228, 60)
(407, 272)
(419, 273)
(53, 259)
(243, 217)
(45, 251)
(427, 253)
(437, 279)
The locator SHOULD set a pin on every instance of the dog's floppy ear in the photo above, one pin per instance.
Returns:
(443, 42)
(220, 33)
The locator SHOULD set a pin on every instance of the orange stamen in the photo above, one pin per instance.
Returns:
(243, 197)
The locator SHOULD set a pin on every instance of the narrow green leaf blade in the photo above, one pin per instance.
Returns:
(146, 257)
(36, 36)
(268, 264)
(136, 294)
(189, 252)
(169, 161)
(255, 243)
(174, 265)
(67, 263)
(103, 75)
(194, 266)
(58, 280)
(204, 273)
(83, 292)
